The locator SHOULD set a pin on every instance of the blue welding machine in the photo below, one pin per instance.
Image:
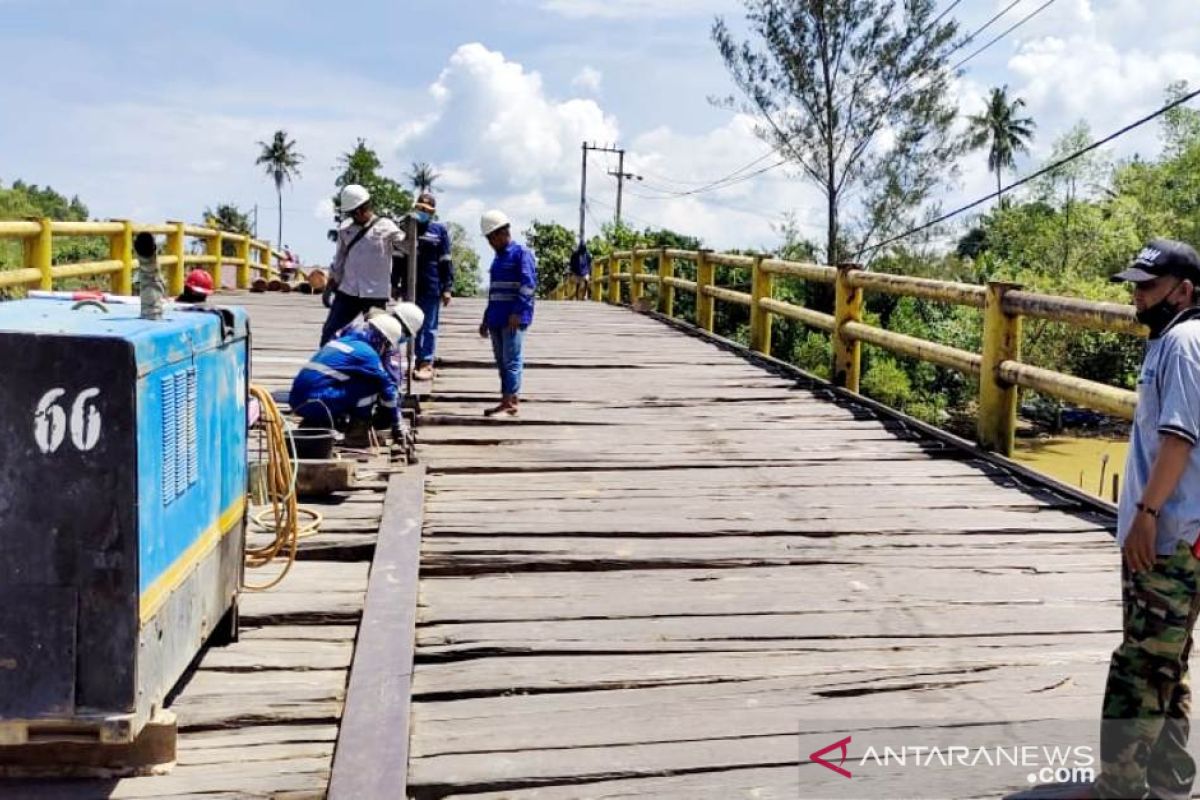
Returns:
(122, 508)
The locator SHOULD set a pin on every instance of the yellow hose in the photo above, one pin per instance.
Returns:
(284, 513)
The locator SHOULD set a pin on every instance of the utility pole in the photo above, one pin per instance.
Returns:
(583, 193)
(621, 175)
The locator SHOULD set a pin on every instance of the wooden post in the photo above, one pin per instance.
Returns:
(637, 265)
(666, 292)
(847, 353)
(705, 306)
(761, 286)
(243, 270)
(120, 248)
(597, 287)
(176, 246)
(614, 283)
(42, 254)
(997, 398)
(213, 246)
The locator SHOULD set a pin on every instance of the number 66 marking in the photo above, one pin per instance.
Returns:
(50, 421)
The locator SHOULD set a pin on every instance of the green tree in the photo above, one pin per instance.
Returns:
(466, 262)
(363, 167)
(422, 177)
(228, 217)
(855, 93)
(1001, 131)
(552, 244)
(281, 160)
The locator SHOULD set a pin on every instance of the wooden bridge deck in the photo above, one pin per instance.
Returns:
(671, 575)
(677, 570)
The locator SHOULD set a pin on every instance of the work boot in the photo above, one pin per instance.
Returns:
(424, 372)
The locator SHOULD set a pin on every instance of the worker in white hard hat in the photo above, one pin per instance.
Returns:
(360, 277)
(411, 318)
(512, 285)
(344, 382)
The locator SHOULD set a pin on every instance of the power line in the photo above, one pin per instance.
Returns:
(1007, 31)
(741, 169)
(970, 38)
(1044, 170)
(715, 185)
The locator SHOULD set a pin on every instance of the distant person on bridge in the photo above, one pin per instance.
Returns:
(581, 272)
(509, 312)
(344, 382)
(435, 279)
(362, 266)
(1147, 701)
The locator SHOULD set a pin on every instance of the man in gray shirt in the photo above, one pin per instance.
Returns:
(1147, 700)
(360, 278)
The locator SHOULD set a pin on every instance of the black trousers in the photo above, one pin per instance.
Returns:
(345, 309)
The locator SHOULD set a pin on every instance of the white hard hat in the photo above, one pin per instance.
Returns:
(352, 197)
(389, 326)
(492, 221)
(411, 317)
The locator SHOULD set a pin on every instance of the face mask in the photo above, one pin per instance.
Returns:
(1158, 316)
(422, 217)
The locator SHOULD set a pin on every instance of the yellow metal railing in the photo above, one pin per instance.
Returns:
(39, 270)
(998, 368)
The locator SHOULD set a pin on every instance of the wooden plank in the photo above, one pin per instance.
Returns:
(371, 760)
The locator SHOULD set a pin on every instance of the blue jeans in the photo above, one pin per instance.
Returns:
(508, 348)
(426, 342)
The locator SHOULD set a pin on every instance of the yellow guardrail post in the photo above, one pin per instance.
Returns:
(176, 246)
(213, 245)
(637, 265)
(705, 305)
(41, 254)
(847, 352)
(597, 287)
(761, 287)
(666, 292)
(997, 397)
(243, 269)
(120, 248)
(614, 283)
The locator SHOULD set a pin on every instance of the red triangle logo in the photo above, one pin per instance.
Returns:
(842, 746)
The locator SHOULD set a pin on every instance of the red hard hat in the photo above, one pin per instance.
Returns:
(199, 281)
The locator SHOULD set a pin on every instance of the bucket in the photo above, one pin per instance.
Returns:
(312, 443)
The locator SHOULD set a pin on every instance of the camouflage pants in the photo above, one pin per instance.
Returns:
(1144, 733)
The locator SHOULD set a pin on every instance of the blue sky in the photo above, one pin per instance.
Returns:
(152, 110)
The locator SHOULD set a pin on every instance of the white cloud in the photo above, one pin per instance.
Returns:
(589, 79)
(628, 9)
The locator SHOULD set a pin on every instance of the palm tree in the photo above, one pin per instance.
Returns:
(422, 177)
(1002, 131)
(281, 161)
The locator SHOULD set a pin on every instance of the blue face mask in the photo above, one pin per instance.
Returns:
(422, 217)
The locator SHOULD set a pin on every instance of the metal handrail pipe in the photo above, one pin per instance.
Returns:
(943, 355)
(1080, 391)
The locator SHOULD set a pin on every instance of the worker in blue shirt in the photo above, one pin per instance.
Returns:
(512, 284)
(435, 280)
(347, 377)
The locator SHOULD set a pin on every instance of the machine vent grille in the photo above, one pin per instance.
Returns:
(179, 456)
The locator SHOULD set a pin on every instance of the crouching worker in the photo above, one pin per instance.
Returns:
(349, 377)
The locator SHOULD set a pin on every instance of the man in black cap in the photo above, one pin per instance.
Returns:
(1147, 700)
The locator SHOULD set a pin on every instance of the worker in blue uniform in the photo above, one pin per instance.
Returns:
(347, 378)
(435, 280)
(509, 312)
